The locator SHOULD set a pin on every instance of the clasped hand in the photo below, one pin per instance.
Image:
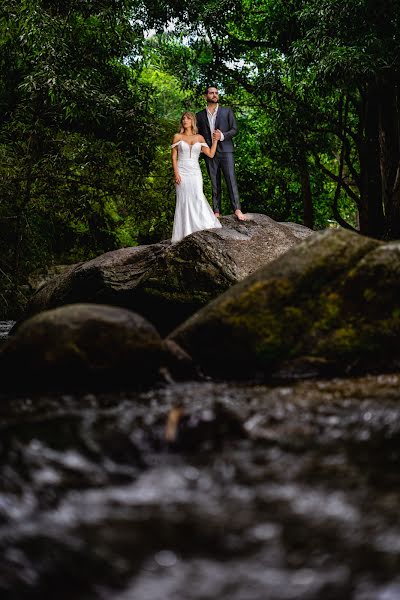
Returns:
(217, 135)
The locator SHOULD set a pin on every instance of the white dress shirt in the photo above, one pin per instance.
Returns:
(212, 117)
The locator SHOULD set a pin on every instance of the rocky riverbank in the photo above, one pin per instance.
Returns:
(328, 306)
(164, 467)
(167, 283)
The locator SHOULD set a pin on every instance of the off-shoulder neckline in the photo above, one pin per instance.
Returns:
(187, 143)
(181, 140)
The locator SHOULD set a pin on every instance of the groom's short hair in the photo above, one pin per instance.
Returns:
(208, 87)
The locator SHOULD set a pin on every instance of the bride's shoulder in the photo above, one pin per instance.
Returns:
(177, 137)
(200, 140)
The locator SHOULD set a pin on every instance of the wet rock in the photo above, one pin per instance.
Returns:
(329, 305)
(83, 344)
(167, 283)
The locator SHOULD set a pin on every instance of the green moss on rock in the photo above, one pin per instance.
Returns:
(322, 301)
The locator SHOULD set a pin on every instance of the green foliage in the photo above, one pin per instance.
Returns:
(325, 75)
(90, 100)
(74, 136)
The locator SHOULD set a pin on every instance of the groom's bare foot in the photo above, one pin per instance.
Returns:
(216, 214)
(239, 215)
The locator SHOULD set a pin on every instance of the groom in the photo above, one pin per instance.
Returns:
(219, 122)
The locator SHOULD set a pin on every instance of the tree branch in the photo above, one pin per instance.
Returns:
(336, 178)
(335, 208)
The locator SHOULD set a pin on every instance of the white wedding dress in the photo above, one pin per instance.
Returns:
(192, 212)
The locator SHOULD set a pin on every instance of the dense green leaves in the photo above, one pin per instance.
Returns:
(91, 93)
(74, 137)
(326, 75)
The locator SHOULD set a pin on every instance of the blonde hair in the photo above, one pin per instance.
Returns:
(192, 117)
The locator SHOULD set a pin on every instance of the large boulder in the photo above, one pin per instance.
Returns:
(167, 283)
(329, 305)
(86, 344)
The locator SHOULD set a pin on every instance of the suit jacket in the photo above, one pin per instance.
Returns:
(225, 122)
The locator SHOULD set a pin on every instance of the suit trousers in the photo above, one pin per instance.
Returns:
(223, 162)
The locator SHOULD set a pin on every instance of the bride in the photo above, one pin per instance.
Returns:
(192, 212)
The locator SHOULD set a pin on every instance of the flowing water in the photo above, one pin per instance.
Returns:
(5, 327)
(203, 490)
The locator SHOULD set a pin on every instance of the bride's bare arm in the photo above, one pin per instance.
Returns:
(210, 152)
(174, 157)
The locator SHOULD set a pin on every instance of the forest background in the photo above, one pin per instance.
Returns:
(91, 93)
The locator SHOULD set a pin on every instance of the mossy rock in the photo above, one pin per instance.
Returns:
(168, 283)
(331, 302)
(80, 345)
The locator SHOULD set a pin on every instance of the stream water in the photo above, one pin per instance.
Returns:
(279, 493)
(203, 490)
(5, 327)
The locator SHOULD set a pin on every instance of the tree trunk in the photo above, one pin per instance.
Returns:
(372, 220)
(389, 131)
(308, 207)
(22, 203)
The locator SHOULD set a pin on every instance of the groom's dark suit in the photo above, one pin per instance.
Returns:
(223, 159)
